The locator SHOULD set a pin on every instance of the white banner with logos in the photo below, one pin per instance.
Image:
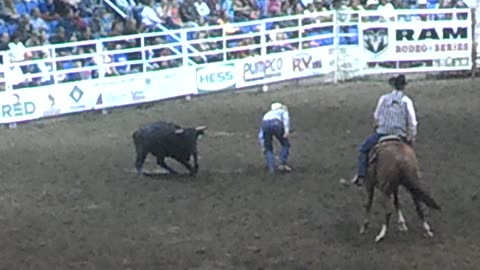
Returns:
(263, 69)
(119, 91)
(18, 106)
(414, 42)
(216, 77)
(66, 98)
(444, 43)
(144, 87)
(171, 83)
(311, 62)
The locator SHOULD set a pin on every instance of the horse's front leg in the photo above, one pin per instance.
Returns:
(368, 207)
(402, 224)
(387, 207)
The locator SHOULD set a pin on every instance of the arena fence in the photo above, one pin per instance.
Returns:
(75, 77)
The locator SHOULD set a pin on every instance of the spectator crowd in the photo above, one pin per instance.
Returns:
(34, 23)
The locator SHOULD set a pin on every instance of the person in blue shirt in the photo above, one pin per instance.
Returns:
(275, 123)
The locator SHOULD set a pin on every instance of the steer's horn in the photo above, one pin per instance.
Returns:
(179, 131)
(200, 128)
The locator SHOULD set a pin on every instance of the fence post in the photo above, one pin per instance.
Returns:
(474, 43)
(263, 48)
(101, 59)
(6, 70)
(101, 55)
(184, 40)
(144, 55)
(300, 40)
(8, 83)
(336, 45)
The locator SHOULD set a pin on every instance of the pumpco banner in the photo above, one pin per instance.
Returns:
(215, 77)
(263, 69)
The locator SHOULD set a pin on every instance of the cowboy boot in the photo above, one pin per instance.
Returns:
(358, 179)
(284, 153)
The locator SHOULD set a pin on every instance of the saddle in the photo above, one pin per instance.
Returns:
(372, 155)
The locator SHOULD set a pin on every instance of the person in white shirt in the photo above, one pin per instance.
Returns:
(150, 17)
(202, 8)
(275, 123)
(394, 115)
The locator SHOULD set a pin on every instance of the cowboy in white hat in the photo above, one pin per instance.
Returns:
(394, 115)
(275, 123)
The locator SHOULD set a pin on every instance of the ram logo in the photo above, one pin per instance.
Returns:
(375, 40)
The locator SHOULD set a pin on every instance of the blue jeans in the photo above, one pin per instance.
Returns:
(366, 146)
(271, 129)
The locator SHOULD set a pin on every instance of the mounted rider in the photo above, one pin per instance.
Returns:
(394, 115)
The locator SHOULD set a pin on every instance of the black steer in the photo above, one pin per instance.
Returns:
(164, 139)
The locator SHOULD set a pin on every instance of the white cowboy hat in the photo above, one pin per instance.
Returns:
(276, 106)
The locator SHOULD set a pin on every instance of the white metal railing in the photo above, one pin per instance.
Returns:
(114, 7)
(161, 50)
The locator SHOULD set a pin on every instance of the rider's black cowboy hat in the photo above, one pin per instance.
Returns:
(398, 81)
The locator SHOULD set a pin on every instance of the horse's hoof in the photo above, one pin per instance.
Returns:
(428, 231)
(379, 238)
(402, 227)
(428, 234)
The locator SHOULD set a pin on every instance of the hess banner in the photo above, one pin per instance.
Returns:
(215, 77)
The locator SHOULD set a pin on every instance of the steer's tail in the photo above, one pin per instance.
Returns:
(135, 135)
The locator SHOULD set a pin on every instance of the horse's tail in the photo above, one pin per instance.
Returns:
(421, 195)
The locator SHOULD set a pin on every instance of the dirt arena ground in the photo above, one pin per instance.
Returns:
(67, 202)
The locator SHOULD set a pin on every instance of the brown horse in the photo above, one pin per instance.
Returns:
(392, 164)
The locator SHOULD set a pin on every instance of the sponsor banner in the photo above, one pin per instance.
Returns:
(17, 106)
(416, 41)
(170, 83)
(65, 98)
(311, 62)
(50, 101)
(119, 91)
(263, 69)
(215, 77)
(146, 87)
